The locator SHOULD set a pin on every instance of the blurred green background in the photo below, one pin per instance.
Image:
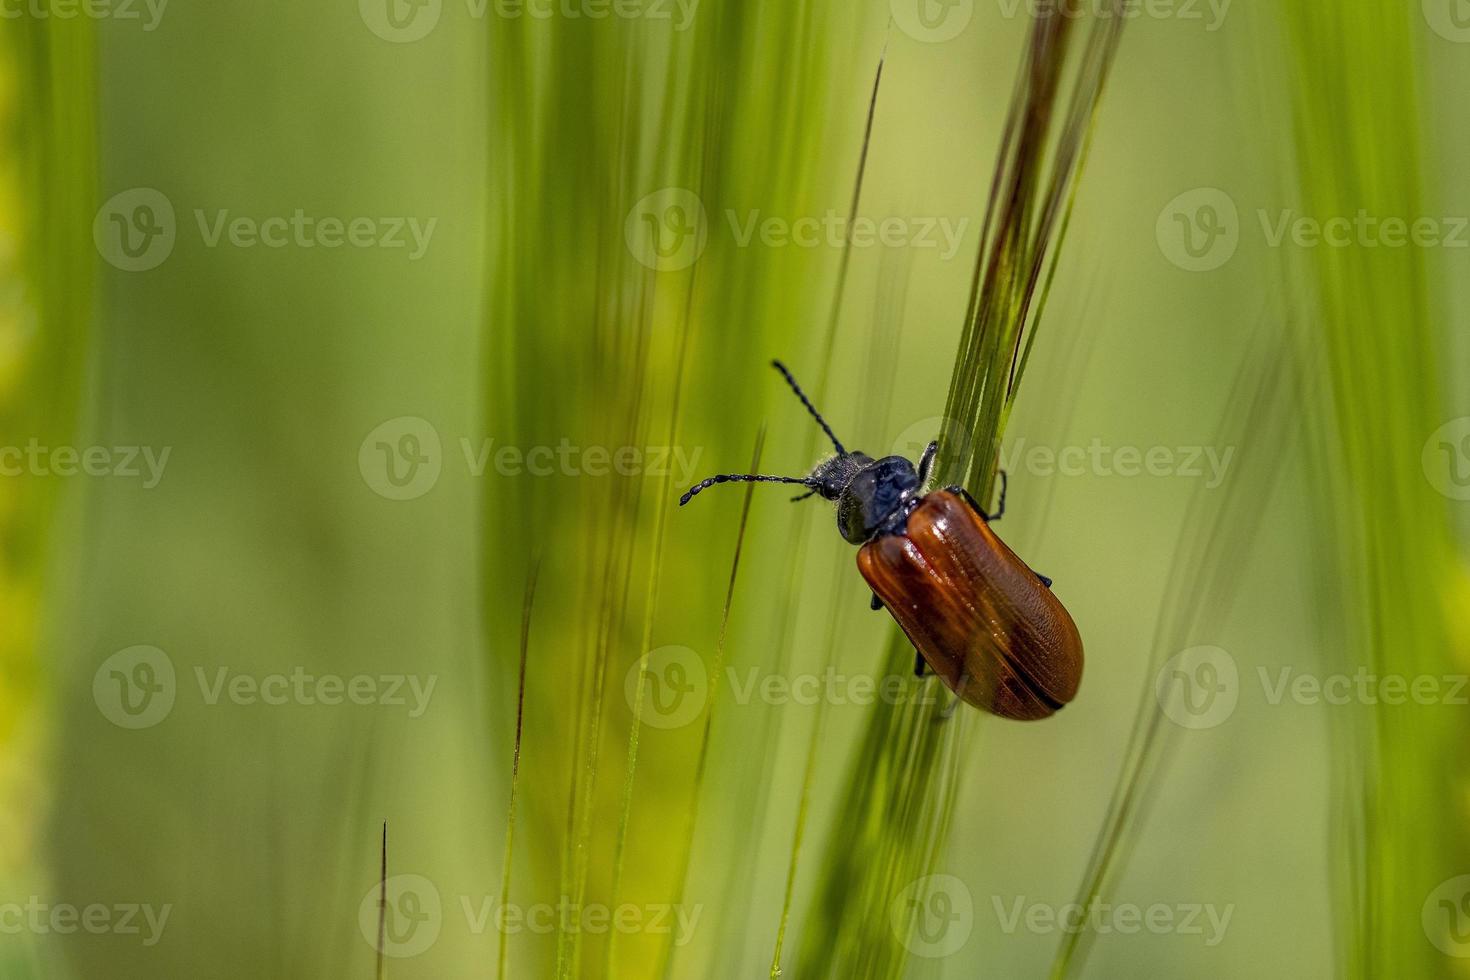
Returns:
(380, 280)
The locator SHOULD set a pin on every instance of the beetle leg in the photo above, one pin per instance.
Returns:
(1044, 580)
(918, 664)
(1000, 508)
(926, 462)
(975, 504)
(876, 603)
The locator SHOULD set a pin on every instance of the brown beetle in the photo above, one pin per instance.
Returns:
(987, 624)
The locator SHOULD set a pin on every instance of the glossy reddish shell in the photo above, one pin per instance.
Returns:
(978, 614)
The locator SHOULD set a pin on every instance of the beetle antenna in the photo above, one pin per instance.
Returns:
(805, 481)
(809, 406)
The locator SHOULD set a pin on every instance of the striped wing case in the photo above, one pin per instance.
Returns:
(981, 618)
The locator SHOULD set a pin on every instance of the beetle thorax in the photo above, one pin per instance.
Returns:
(877, 499)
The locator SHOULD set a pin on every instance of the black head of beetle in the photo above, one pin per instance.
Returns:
(874, 496)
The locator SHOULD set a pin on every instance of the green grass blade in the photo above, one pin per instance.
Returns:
(898, 806)
(527, 604)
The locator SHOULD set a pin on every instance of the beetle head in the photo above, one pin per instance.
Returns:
(871, 495)
(832, 476)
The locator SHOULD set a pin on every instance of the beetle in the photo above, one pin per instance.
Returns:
(981, 619)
